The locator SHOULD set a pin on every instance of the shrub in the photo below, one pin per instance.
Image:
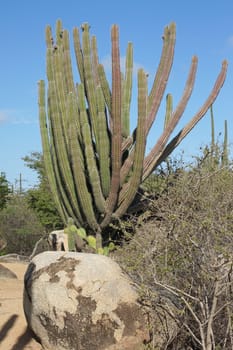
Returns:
(181, 259)
(19, 226)
(39, 197)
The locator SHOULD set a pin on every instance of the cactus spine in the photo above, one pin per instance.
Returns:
(93, 163)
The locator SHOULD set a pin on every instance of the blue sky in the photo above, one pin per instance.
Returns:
(204, 28)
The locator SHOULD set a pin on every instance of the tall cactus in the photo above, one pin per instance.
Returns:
(218, 157)
(94, 165)
(225, 159)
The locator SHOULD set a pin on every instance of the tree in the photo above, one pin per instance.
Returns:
(4, 190)
(34, 161)
(20, 228)
(39, 198)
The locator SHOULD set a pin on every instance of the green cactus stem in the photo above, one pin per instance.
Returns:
(127, 91)
(225, 160)
(169, 107)
(116, 133)
(136, 177)
(213, 144)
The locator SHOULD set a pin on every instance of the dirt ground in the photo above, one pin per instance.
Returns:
(14, 334)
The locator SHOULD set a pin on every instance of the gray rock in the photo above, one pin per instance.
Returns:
(6, 273)
(80, 301)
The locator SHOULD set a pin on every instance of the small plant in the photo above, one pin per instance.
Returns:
(78, 240)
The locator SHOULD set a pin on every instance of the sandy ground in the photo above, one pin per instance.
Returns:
(14, 334)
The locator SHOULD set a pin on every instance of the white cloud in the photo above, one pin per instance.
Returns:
(4, 116)
(15, 117)
(25, 121)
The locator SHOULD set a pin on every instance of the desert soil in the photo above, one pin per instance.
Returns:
(14, 334)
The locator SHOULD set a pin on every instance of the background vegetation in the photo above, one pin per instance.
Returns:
(26, 216)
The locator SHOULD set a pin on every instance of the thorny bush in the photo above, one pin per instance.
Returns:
(180, 257)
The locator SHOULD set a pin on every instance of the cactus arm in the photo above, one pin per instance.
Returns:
(60, 91)
(62, 42)
(62, 73)
(116, 128)
(89, 82)
(95, 59)
(64, 79)
(49, 53)
(68, 72)
(161, 143)
(127, 91)
(102, 125)
(168, 114)
(127, 94)
(126, 168)
(190, 125)
(212, 132)
(46, 150)
(65, 201)
(162, 73)
(167, 118)
(89, 152)
(59, 32)
(127, 146)
(158, 87)
(225, 160)
(104, 143)
(128, 191)
(78, 54)
(127, 143)
(106, 89)
(78, 168)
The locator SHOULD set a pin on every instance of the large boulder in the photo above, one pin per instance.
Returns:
(81, 301)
